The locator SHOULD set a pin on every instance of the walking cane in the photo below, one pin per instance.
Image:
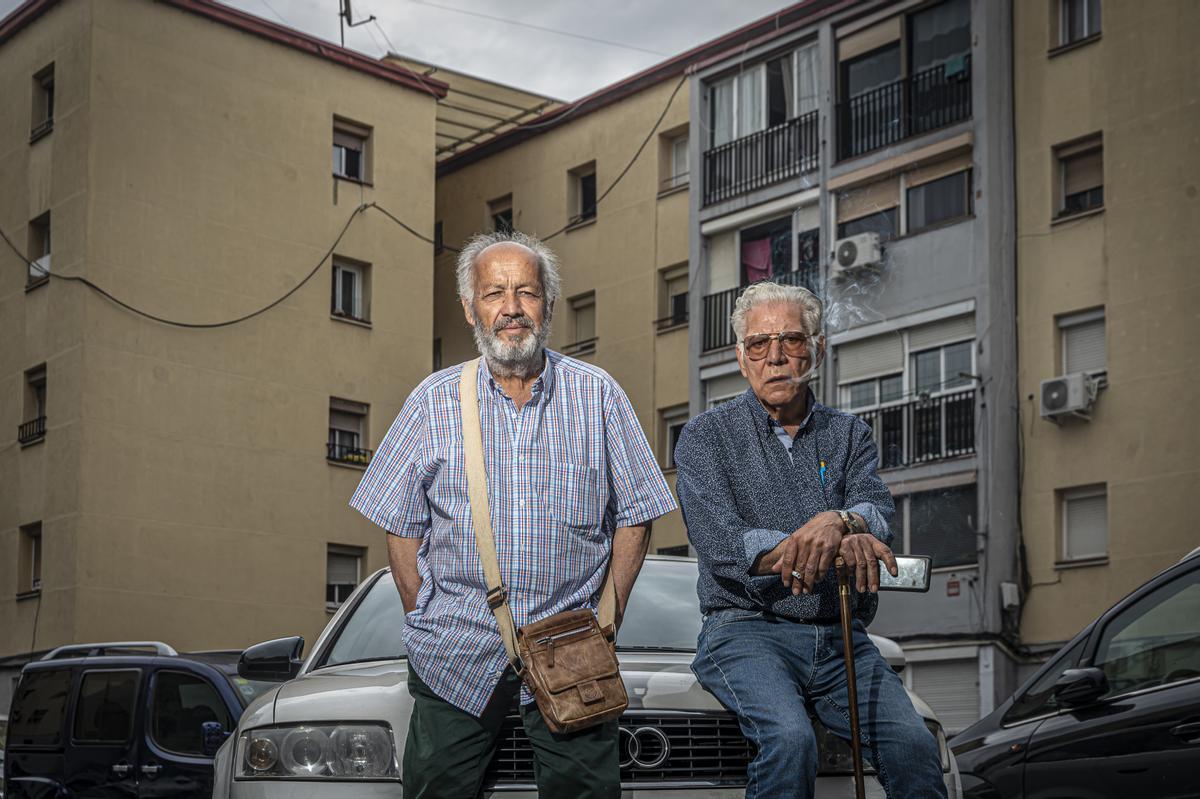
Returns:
(851, 682)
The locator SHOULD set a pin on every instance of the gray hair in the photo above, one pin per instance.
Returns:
(547, 263)
(767, 292)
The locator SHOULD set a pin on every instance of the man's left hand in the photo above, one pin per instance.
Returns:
(862, 553)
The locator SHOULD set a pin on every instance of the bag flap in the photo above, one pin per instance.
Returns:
(577, 659)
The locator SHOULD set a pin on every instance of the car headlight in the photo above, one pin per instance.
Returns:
(943, 749)
(357, 751)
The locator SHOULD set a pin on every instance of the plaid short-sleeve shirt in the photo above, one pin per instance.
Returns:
(564, 472)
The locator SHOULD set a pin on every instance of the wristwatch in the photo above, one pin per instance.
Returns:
(850, 522)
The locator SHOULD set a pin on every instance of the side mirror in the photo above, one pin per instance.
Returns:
(272, 661)
(912, 574)
(1080, 686)
(213, 735)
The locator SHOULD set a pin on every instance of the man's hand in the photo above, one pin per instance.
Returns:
(809, 552)
(862, 553)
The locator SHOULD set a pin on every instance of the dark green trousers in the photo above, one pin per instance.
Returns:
(448, 749)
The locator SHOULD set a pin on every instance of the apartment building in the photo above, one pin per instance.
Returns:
(1107, 211)
(864, 152)
(189, 484)
(622, 236)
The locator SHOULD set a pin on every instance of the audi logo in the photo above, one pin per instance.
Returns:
(644, 747)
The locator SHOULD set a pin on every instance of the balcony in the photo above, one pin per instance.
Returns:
(583, 347)
(354, 456)
(923, 430)
(761, 158)
(909, 107)
(718, 332)
(31, 432)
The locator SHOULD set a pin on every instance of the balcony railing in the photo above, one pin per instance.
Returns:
(761, 158)
(909, 107)
(352, 455)
(672, 321)
(923, 430)
(584, 347)
(718, 332)
(30, 432)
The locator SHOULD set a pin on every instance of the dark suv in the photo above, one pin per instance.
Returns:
(133, 719)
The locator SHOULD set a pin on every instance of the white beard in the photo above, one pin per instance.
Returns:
(509, 359)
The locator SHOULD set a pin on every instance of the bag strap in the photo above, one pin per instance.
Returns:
(481, 516)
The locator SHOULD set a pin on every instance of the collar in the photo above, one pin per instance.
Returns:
(764, 421)
(543, 384)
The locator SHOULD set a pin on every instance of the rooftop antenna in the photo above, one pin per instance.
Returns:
(345, 18)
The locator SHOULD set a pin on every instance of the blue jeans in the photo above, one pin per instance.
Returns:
(772, 671)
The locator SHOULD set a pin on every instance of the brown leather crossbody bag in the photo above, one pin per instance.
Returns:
(567, 660)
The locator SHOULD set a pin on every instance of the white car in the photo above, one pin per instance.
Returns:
(338, 729)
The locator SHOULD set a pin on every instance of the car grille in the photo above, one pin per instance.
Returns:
(704, 748)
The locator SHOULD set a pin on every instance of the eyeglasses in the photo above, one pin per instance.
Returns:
(793, 342)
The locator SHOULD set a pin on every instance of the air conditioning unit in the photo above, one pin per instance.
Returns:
(855, 252)
(1068, 395)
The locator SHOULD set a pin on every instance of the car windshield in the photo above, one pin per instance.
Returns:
(663, 614)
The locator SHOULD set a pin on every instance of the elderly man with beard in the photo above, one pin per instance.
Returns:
(572, 485)
(773, 486)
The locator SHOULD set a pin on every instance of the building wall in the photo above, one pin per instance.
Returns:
(638, 231)
(1135, 85)
(188, 464)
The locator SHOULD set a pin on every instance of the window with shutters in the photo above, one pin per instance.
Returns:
(872, 208)
(500, 214)
(348, 433)
(939, 523)
(343, 572)
(939, 201)
(29, 565)
(1080, 176)
(671, 423)
(1084, 523)
(1077, 21)
(33, 428)
(350, 295)
(673, 169)
(39, 251)
(351, 150)
(583, 324)
(672, 297)
(42, 121)
(581, 191)
(1083, 348)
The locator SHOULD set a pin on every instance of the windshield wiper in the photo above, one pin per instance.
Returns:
(360, 660)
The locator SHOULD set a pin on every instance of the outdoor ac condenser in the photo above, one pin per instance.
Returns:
(855, 252)
(1068, 395)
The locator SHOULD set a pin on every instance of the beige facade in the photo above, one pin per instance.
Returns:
(182, 490)
(619, 269)
(1107, 228)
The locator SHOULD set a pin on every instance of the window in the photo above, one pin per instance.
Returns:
(30, 564)
(437, 353)
(350, 150)
(583, 324)
(1083, 348)
(1039, 698)
(439, 241)
(33, 429)
(673, 297)
(500, 214)
(583, 193)
(763, 96)
(1080, 176)
(1085, 523)
(943, 368)
(104, 710)
(766, 250)
(939, 35)
(1156, 640)
(1078, 20)
(39, 250)
(884, 222)
(873, 392)
(939, 201)
(39, 708)
(672, 421)
(347, 432)
(351, 289)
(343, 571)
(941, 524)
(42, 120)
(181, 704)
(674, 160)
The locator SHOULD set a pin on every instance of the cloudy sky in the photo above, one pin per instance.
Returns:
(473, 36)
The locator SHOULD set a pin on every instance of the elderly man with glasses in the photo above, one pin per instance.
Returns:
(773, 486)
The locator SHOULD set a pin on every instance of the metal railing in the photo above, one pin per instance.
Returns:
(761, 158)
(718, 332)
(925, 429)
(668, 322)
(583, 347)
(908, 107)
(344, 454)
(31, 431)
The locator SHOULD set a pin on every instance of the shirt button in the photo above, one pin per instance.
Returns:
(521, 503)
(520, 458)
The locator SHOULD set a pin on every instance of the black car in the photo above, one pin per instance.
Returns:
(1116, 712)
(131, 719)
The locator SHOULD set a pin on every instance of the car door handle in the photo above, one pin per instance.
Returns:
(151, 770)
(1187, 731)
(121, 769)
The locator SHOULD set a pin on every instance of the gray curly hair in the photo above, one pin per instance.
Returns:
(547, 263)
(765, 292)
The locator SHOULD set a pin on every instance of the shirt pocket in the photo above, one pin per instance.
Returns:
(574, 495)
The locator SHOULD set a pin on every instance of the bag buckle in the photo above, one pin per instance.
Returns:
(497, 597)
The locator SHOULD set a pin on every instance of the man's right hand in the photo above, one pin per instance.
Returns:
(808, 552)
